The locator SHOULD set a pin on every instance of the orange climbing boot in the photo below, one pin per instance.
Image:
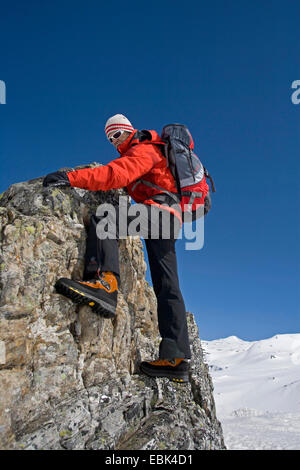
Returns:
(176, 370)
(100, 294)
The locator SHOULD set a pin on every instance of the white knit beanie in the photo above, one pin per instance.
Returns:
(118, 122)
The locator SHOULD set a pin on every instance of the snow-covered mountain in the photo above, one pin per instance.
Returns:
(257, 390)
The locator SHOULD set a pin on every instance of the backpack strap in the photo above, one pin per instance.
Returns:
(210, 179)
(192, 195)
(174, 196)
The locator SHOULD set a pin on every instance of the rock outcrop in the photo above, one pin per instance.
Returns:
(69, 379)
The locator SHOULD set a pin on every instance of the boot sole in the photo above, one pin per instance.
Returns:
(98, 306)
(178, 378)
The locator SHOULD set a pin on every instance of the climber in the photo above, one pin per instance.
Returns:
(140, 155)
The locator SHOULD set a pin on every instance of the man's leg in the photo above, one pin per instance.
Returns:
(174, 347)
(100, 254)
(170, 304)
(99, 289)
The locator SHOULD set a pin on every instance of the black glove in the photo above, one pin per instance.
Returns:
(59, 178)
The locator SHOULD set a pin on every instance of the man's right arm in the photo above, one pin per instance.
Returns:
(119, 173)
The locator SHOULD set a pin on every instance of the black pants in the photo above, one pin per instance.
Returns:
(104, 255)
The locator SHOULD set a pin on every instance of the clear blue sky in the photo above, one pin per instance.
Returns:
(222, 67)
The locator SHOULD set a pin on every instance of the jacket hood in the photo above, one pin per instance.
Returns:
(144, 136)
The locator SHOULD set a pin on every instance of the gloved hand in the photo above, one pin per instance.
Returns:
(58, 178)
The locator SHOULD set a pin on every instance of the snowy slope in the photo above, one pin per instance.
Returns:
(257, 390)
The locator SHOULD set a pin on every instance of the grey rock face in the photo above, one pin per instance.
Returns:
(69, 379)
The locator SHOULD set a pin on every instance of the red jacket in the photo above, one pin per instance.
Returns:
(138, 159)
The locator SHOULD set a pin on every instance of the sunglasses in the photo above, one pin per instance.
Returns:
(115, 136)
